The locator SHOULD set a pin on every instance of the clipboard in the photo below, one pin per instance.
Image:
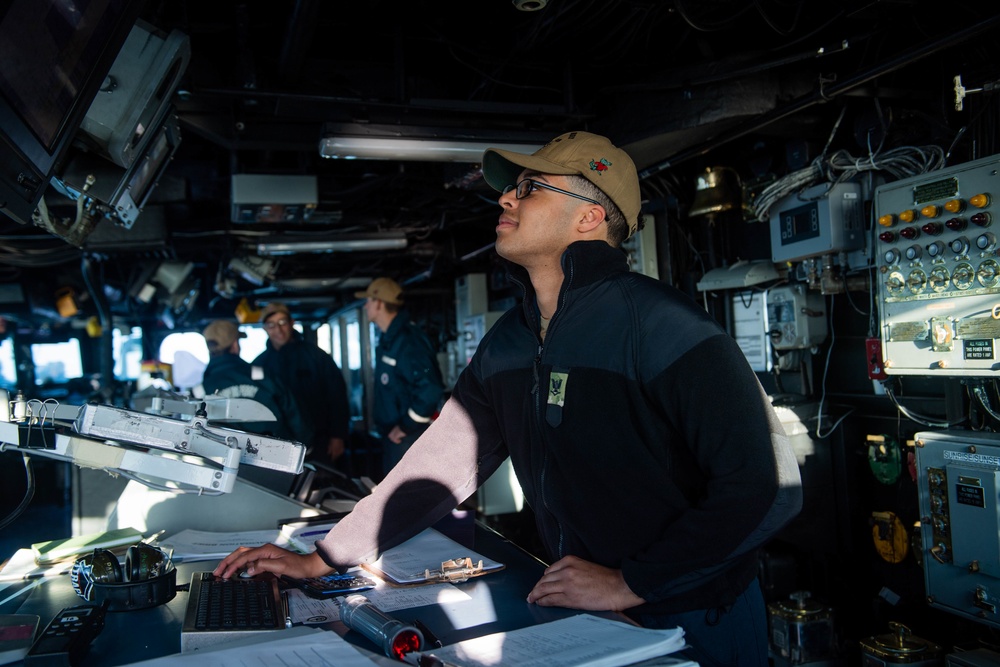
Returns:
(430, 557)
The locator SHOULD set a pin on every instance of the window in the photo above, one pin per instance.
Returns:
(187, 355)
(324, 338)
(56, 363)
(8, 368)
(127, 353)
(253, 344)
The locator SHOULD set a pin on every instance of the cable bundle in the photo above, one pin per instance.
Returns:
(841, 166)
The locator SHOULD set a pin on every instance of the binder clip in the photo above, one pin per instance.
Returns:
(454, 571)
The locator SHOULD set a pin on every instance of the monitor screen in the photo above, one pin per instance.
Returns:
(56, 55)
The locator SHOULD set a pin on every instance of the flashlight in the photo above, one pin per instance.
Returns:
(394, 637)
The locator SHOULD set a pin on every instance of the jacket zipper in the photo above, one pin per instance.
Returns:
(567, 281)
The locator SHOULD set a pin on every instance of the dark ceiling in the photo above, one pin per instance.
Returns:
(682, 84)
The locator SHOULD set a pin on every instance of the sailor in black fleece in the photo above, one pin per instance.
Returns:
(643, 441)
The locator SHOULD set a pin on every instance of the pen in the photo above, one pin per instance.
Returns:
(314, 532)
(287, 609)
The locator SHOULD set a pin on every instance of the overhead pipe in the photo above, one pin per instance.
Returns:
(826, 93)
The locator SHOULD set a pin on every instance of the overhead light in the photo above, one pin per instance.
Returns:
(388, 242)
(420, 150)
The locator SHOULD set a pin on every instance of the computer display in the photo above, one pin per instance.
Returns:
(56, 55)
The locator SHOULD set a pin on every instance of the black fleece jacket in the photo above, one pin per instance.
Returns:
(640, 435)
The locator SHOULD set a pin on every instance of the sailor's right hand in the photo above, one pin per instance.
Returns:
(272, 558)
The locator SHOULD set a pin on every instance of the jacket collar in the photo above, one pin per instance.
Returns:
(583, 262)
(398, 322)
(294, 340)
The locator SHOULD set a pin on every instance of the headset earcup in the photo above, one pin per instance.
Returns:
(105, 568)
(143, 561)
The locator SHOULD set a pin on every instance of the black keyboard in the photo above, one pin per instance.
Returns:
(225, 609)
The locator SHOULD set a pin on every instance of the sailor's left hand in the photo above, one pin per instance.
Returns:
(579, 584)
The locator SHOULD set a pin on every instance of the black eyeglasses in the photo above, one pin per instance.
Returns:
(528, 185)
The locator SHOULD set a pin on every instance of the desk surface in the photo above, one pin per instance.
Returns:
(498, 605)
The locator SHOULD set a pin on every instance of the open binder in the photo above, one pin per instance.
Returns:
(429, 557)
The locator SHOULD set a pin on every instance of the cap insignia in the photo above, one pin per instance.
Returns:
(599, 165)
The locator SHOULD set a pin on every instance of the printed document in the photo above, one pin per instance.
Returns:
(579, 641)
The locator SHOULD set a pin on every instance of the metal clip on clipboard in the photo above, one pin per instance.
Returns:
(454, 571)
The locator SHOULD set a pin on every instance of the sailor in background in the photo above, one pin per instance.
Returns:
(408, 385)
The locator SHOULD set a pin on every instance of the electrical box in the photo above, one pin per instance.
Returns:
(470, 332)
(796, 317)
(958, 478)
(818, 221)
(470, 296)
(641, 249)
(749, 330)
(273, 198)
(938, 273)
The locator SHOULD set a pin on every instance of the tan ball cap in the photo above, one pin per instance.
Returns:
(575, 153)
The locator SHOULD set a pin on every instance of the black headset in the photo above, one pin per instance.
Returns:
(147, 579)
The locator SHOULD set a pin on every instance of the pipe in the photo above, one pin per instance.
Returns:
(107, 361)
(824, 94)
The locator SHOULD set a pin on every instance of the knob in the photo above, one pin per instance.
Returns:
(935, 249)
(960, 246)
(986, 241)
(913, 252)
(932, 228)
(891, 256)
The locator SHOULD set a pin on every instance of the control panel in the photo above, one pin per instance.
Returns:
(938, 273)
(821, 220)
(796, 318)
(958, 478)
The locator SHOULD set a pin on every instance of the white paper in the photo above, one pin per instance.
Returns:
(312, 611)
(194, 545)
(22, 566)
(579, 641)
(302, 648)
(302, 536)
(408, 562)
(390, 599)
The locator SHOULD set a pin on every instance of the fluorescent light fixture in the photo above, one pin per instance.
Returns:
(418, 150)
(392, 242)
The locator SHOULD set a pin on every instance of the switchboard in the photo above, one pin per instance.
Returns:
(937, 271)
(958, 477)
